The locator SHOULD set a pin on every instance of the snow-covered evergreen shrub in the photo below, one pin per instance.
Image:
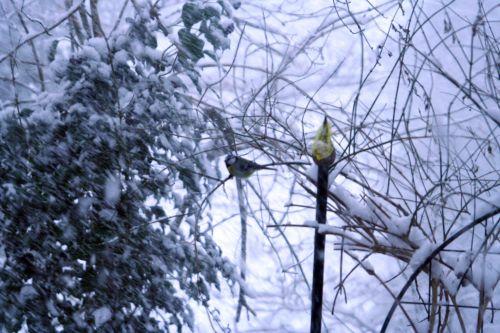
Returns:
(83, 176)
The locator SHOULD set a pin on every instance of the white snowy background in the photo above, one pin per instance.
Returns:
(289, 64)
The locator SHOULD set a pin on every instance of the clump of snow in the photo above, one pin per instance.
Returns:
(416, 236)
(157, 262)
(451, 283)
(226, 24)
(310, 223)
(327, 229)
(101, 316)
(99, 44)
(227, 268)
(222, 40)
(68, 281)
(153, 53)
(120, 57)
(27, 292)
(112, 190)
(57, 67)
(10, 189)
(90, 53)
(52, 308)
(174, 39)
(436, 270)
(104, 71)
(464, 261)
(421, 255)
(121, 41)
(45, 115)
(137, 48)
(355, 207)
(399, 225)
(79, 319)
(3, 258)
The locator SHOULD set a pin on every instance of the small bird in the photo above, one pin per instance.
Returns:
(242, 168)
(323, 151)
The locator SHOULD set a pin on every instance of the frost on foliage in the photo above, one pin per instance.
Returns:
(101, 316)
(112, 190)
(75, 175)
(2, 254)
(214, 25)
(27, 292)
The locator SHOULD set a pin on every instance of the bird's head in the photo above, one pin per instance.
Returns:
(230, 159)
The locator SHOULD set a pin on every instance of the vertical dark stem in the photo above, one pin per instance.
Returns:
(96, 22)
(85, 22)
(243, 216)
(319, 251)
(74, 24)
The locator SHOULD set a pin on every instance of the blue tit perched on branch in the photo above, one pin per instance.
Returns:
(242, 168)
(323, 151)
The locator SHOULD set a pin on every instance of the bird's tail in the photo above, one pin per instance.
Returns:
(267, 166)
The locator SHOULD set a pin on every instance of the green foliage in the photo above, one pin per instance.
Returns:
(193, 45)
(52, 51)
(214, 27)
(83, 176)
(192, 13)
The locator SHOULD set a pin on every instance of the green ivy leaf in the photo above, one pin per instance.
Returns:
(191, 14)
(192, 43)
(25, 113)
(53, 50)
(217, 37)
(210, 12)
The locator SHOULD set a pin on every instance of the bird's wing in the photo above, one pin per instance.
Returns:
(247, 165)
